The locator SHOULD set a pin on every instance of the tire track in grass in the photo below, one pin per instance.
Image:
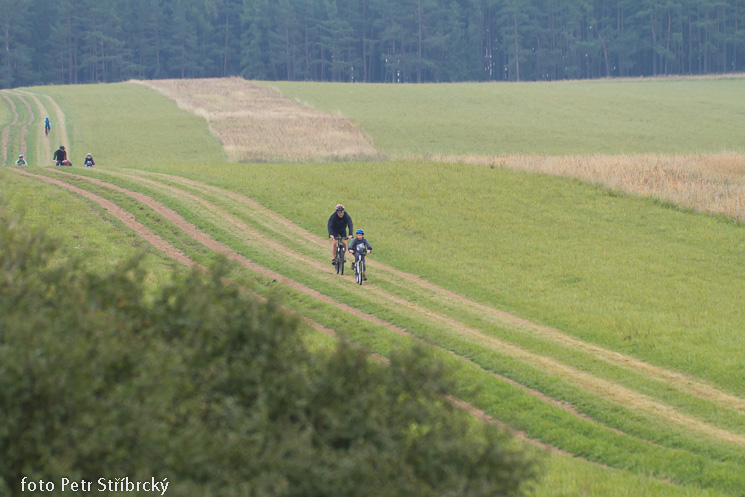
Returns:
(6, 129)
(587, 381)
(61, 122)
(42, 145)
(682, 382)
(168, 249)
(309, 262)
(24, 128)
(125, 217)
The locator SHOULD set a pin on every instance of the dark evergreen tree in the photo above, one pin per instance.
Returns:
(75, 41)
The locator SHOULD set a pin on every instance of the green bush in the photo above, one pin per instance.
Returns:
(209, 389)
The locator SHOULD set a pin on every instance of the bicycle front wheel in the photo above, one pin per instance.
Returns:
(340, 262)
(359, 270)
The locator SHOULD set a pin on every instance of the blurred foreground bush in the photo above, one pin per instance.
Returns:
(215, 391)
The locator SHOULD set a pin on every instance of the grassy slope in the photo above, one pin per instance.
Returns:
(557, 118)
(540, 207)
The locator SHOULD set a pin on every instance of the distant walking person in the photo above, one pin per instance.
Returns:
(88, 162)
(60, 157)
(47, 126)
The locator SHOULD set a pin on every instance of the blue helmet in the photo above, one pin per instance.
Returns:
(360, 232)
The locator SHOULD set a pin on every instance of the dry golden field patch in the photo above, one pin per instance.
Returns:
(709, 183)
(258, 124)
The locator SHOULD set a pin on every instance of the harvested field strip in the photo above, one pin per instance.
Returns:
(707, 183)
(281, 226)
(587, 381)
(257, 124)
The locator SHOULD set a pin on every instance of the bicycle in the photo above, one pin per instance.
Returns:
(340, 256)
(359, 266)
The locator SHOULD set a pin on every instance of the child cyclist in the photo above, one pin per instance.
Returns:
(21, 160)
(361, 246)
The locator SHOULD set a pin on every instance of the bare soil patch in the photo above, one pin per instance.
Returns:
(258, 124)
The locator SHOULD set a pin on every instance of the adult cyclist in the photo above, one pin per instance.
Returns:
(47, 126)
(338, 223)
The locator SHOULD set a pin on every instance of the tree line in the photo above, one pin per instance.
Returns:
(81, 41)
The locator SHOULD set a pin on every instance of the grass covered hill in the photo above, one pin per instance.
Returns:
(598, 323)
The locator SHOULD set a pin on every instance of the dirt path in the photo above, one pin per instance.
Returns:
(159, 243)
(6, 130)
(43, 151)
(61, 121)
(125, 217)
(24, 129)
(321, 269)
(587, 381)
(684, 383)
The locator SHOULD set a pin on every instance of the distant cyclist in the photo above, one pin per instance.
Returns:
(47, 126)
(88, 162)
(337, 225)
(360, 245)
(60, 157)
(21, 161)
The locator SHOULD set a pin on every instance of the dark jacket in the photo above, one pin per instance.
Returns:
(337, 224)
(60, 155)
(88, 161)
(362, 245)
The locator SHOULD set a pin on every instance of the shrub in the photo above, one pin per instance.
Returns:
(214, 392)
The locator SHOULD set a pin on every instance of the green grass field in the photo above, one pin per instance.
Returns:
(558, 118)
(595, 272)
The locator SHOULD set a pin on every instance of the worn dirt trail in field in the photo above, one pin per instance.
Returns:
(302, 262)
(684, 383)
(6, 129)
(24, 129)
(43, 151)
(610, 390)
(160, 244)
